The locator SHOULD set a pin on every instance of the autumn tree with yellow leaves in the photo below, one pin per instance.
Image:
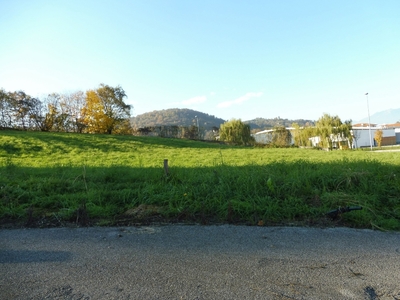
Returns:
(378, 137)
(105, 110)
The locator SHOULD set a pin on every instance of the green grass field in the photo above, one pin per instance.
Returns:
(59, 179)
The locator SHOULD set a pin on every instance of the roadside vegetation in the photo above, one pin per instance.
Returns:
(63, 179)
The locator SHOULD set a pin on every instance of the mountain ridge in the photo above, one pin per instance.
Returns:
(176, 117)
(189, 117)
(388, 116)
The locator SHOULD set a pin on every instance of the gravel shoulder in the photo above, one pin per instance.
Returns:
(199, 262)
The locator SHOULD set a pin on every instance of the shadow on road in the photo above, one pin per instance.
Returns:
(31, 256)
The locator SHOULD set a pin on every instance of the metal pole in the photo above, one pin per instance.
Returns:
(369, 123)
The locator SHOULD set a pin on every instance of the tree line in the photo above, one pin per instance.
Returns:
(330, 130)
(170, 131)
(263, 124)
(101, 110)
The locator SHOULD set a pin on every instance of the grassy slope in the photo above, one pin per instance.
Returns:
(54, 178)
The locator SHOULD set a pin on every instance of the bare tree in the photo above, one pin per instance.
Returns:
(356, 134)
(72, 105)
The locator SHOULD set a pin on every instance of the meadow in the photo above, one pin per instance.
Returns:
(66, 179)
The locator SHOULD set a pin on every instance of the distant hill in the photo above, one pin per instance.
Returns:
(262, 124)
(187, 117)
(177, 117)
(388, 116)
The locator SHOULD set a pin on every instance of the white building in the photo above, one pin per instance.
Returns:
(265, 136)
(397, 132)
(360, 132)
(362, 135)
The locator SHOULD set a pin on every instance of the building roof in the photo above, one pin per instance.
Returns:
(364, 125)
(394, 125)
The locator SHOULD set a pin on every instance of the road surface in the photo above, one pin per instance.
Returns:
(199, 262)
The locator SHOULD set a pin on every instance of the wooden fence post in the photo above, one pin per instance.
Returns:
(166, 167)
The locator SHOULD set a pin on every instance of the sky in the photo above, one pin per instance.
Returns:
(293, 59)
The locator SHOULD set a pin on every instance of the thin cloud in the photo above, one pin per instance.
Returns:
(195, 100)
(239, 100)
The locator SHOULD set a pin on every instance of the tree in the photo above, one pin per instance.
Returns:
(105, 109)
(21, 107)
(191, 132)
(378, 137)
(236, 132)
(72, 104)
(297, 135)
(41, 118)
(346, 132)
(6, 119)
(54, 113)
(331, 129)
(356, 134)
(281, 137)
(302, 135)
(93, 113)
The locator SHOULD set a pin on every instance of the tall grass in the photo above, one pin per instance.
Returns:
(49, 176)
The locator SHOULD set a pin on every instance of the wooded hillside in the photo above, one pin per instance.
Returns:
(187, 117)
(176, 117)
(261, 123)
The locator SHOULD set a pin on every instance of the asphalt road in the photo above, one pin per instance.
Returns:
(199, 262)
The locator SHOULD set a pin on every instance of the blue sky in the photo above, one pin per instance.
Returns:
(231, 59)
